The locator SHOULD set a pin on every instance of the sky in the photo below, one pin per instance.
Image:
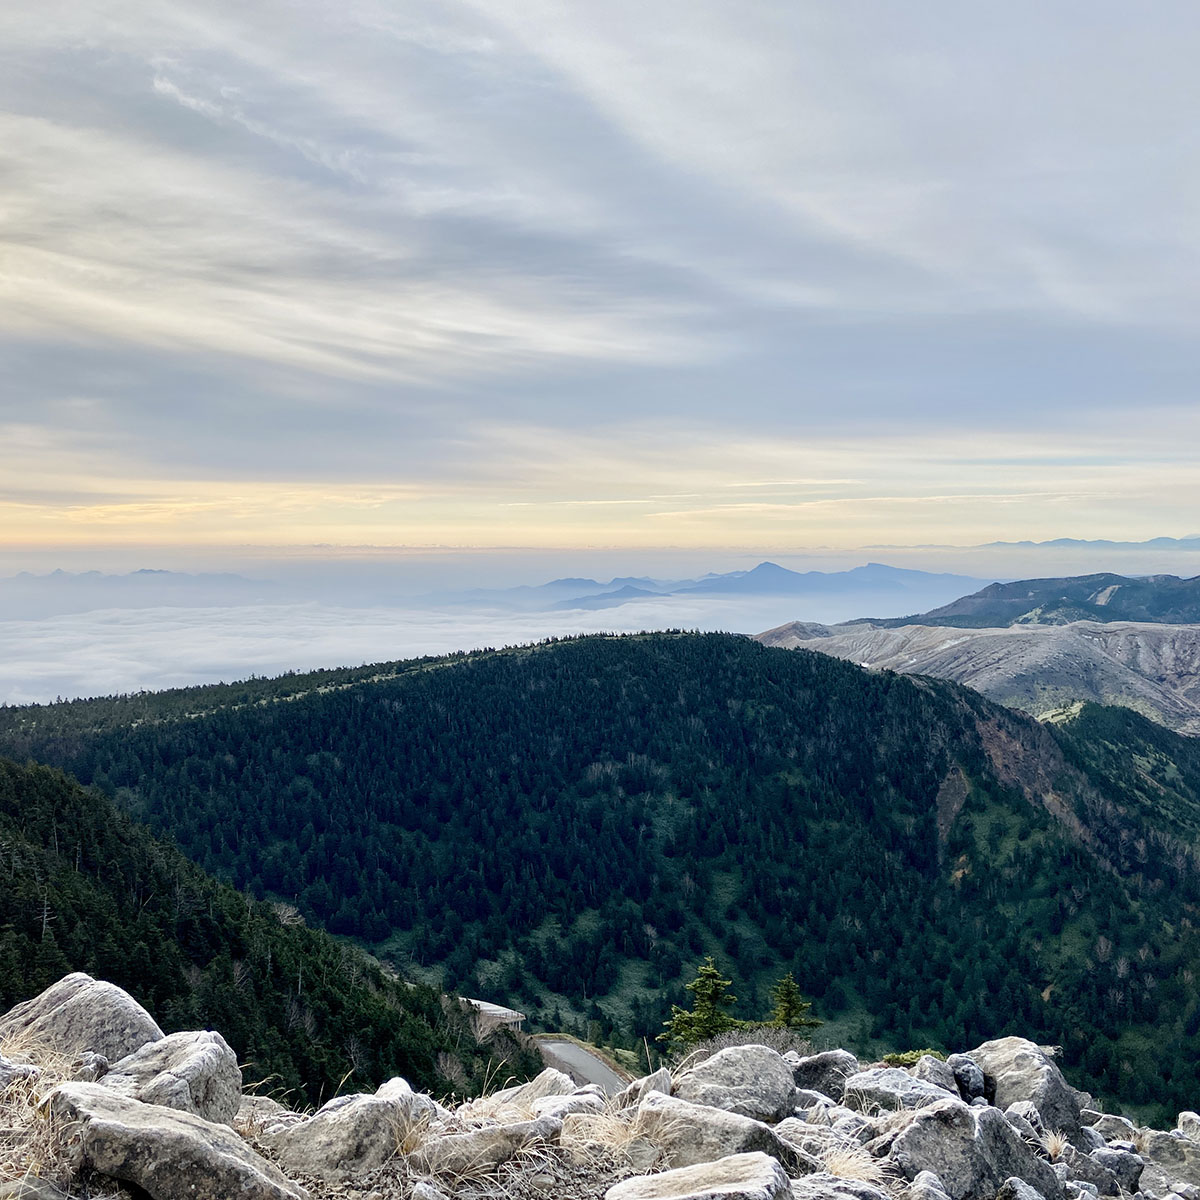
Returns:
(552, 274)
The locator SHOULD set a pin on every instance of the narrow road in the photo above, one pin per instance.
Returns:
(581, 1065)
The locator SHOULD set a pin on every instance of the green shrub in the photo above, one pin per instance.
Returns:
(910, 1058)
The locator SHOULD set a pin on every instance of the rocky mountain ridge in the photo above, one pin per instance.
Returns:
(1151, 668)
(1103, 597)
(96, 1101)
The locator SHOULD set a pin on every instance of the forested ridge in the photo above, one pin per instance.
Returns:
(573, 826)
(86, 889)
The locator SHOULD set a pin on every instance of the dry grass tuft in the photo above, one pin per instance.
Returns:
(496, 1105)
(1055, 1143)
(27, 1141)
(609, 1136)
(411, 1135)
(856, 1162)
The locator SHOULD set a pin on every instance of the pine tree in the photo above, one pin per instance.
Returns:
(707, 1018)
(791, 1010)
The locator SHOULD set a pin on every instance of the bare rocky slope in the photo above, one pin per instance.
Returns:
(96, 1102)
(1154, 669)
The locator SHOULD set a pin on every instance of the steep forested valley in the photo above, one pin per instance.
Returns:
(87, 889)
(569, 828)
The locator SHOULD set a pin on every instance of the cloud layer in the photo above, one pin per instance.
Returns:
(559, 274)
(113, 651)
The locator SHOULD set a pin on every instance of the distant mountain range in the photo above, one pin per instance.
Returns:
(1190, 542)
(33, 596)
(1042, 644)
(873, 582)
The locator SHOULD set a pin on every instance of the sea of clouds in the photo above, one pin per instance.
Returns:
(115, 651)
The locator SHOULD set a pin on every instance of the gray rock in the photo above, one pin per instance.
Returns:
(516, 1103)
(751, 1176)
(1026, 1131)
(806, 1098)
(1021, 1070)
(631, 1095)
(853, 1124)
(257, 1115)
(400, 1091)
(89, 1067)
(971, 1150)
(1028, 1113)
(1115, 1128)
(1077, 1189)
(1093, 1139)
(13, 1072)
(812, 1139)
(824, 1186)
(1126, 1167)
(752, 1081)
(1018, 1189)
(1082, 1168)
(168, 1154)
(562, 1106)
(1170, 1162)
(691, 1133)
(30, 1187)
(967, 1075)
(192, 1072)
(424, 1190)
(927, 1186)
(891, 1088)
(826, 1072)
(938, 1072)
(351, 1133)
(80, 1014)
(1188, 1123)
(481, 1150)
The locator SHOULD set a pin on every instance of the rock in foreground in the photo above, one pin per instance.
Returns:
(193, 1072)
(79, 1014)
(168, 1154)
(736, 1177)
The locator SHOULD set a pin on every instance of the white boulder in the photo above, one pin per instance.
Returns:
(735, 1177)
(191, 1072)
(79, 1014)
(166, 1153)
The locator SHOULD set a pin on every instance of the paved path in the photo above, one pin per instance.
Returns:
(581, 1065)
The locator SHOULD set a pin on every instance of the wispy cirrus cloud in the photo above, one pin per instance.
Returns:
(470, 256)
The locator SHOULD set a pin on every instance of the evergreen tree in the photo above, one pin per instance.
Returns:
(707, 1018)
(791, 1010)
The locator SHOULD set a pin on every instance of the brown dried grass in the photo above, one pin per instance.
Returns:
(28, 1145)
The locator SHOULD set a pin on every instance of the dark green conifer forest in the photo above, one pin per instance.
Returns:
(86, 889)
(574, 826)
